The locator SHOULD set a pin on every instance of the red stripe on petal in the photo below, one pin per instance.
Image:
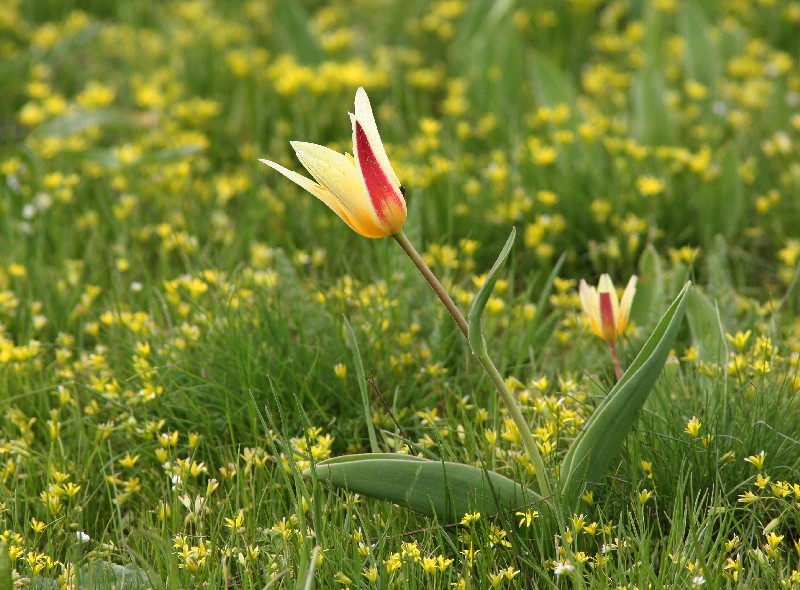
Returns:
(382, 194)
(609, 327)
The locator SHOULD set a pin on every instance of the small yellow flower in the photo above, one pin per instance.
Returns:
(757, 460)
(693, 427)
(649, 185)
(340, 370)
(363, 189)
(607, 314)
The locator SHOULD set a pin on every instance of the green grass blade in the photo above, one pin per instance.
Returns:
(605, 431)
(362, 386)
(6, 582)
(442, 490)
(476, 340)
(551, 85)
(702, 54)
(653, 123)
(299, 38)
(307, 581)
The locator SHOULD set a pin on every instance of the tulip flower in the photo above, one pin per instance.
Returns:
(363, 190)
(607, 314)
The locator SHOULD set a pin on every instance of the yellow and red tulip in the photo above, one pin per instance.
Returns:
(363, 190)
(607, 314)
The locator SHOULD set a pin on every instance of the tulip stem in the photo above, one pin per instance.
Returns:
(486, 362)
(615, 357)
(437, 287)
(528, 441)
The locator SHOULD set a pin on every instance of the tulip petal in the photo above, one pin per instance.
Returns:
(338, 173)
(386, 199)
(327, 197)
(607, 317)
(625, 304)
(591, 305)
(367, 119)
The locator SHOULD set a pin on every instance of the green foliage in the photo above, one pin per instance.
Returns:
(601, 438)
(172, 354)
(440, 489)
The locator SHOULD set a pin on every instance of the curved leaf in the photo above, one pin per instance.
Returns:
(704, 325)
(476, 341)
(605, 431)
(444, 490)
(650, 288)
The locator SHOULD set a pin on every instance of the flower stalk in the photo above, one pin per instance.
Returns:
(481, 353)
(437, 287)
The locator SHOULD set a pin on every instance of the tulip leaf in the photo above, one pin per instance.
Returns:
(704, 324)
(439, 489)
(362, 386)
(605, 431)
(649, 288)
(476, 340)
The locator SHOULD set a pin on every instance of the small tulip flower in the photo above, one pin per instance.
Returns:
(608, 315)
(363, 190)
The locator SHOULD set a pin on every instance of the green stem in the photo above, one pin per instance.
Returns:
(486, 362)
(615, 358)
(519, 420)
(437, 287)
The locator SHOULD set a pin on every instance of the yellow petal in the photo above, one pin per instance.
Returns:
(324, 195)
(590, 301)
(625, 304)
(338, 173)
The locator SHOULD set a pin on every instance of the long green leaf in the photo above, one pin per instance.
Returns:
(476, 340)
(362, 386)
(605, 431)
(443, 490)
(704, 324)
(650, 288)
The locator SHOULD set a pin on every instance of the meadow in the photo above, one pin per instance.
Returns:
(184, 332)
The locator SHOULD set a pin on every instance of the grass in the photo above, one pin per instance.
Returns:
(173, 351)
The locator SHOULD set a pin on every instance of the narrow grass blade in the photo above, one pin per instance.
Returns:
(605, 431)
(652, 123)
(306, 581)
(362, 386)
(476, 340)
(551, 85)
(442, 490)
(702, 54)
(6, 582)
(299, 39)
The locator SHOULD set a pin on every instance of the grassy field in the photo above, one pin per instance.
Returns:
(174, 349)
